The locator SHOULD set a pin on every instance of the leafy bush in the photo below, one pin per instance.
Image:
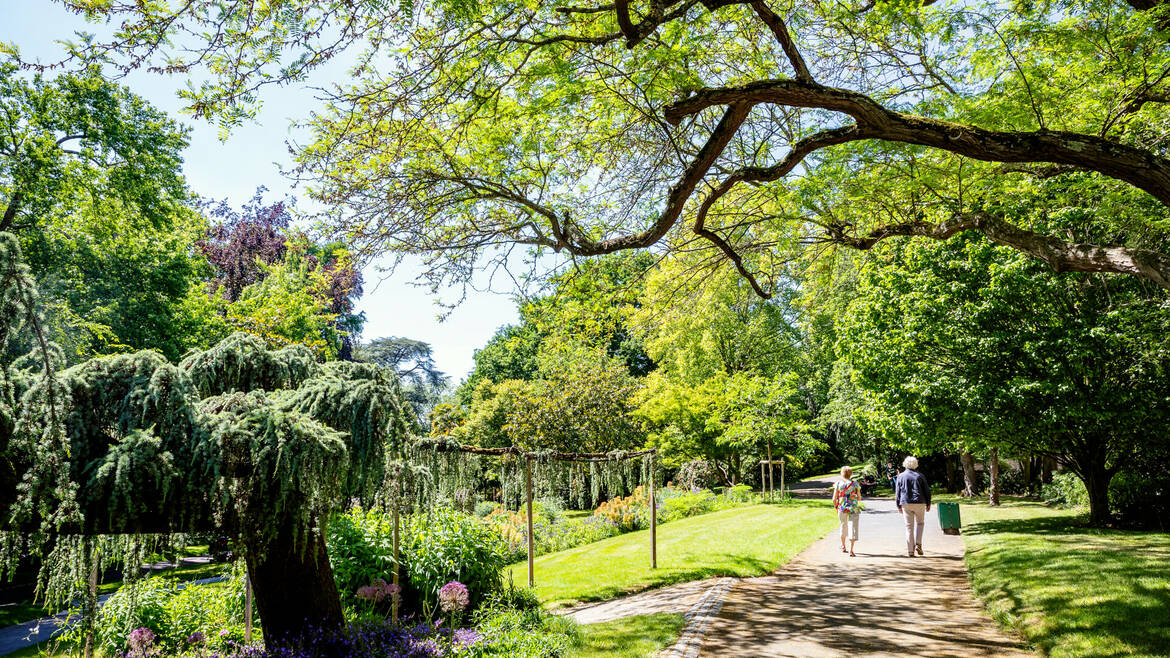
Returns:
(740, 494)
(1139, 501)
(361, 549)
(548, 536)
(444, 545)
(486, 507)
(1066, 489)
(677, 503)
(174, 612)
(697, 474)
(633, 511)
(1011, 480)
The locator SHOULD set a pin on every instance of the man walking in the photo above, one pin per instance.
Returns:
(912, 496)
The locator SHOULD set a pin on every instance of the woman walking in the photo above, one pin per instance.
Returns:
(847, 501)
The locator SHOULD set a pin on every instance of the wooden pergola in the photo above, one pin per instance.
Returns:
(529, 457)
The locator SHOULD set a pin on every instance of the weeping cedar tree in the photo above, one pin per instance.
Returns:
(259, 444)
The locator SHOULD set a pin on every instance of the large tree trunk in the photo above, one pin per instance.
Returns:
(1096, 479)
(952, 476)
(993, 486)
(1047, 464)
(1028, 466)
(294, 587)
(969, 477)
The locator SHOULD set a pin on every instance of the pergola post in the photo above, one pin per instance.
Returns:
(653, 517)
(771, 482)
(396, 599)
(91, 599)
(528, 496)
(247, 607)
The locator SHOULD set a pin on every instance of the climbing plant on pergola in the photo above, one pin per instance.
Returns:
(452, 465)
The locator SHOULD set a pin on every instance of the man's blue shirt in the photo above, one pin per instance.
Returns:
(911, 487)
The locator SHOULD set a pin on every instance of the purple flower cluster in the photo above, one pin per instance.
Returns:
(453, 597)
(379, 590)
(139, 641)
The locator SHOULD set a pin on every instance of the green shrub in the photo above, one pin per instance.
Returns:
(216, 610)
(173, 612)
(738, 495)
(1139, 501)
(522, 633)
(678, 504)
(444, 545)
(697, 474)
(1066, 489)
(1011, 480)
(485, 507)
(138, 605)
(361, 548)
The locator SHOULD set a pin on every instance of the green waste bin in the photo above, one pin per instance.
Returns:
(948, 518)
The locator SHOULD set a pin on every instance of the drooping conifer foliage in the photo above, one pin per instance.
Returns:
(259, 444)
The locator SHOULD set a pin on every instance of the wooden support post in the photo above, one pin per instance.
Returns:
(653, 519)
(91, 600)
(781, 479)
(528, 496)
(247, 607)
(771, 482)
(396, 599)
(763, 482)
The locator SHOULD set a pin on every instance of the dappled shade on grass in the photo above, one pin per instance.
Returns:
(1069, 589)
(631, 637)
(744, 541)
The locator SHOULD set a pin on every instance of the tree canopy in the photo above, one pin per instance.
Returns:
(741, 128)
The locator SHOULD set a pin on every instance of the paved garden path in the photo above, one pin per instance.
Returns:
(825, 603)
(880, 603)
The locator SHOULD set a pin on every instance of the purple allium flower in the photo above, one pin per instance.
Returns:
(140, 639)
(378, 590)
(224, 633)
(196, 638)
(453, 597)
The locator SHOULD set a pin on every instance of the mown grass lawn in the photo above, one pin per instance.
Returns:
(632, 637)
(742, 541)
(1070, 590)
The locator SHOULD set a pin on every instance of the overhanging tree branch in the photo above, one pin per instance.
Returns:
(1061, 255)
(1140, 168)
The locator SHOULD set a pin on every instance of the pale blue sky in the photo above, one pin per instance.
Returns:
(249, 158)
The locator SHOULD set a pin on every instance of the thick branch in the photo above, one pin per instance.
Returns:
(799, 152)
(10, 212)
(780, 31)
(1063, 256)
(676, 200)
(1137, 167)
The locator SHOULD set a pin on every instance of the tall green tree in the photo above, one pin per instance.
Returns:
(982, 344)
(91, 184)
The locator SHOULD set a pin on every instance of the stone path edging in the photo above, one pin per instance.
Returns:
(699, 619)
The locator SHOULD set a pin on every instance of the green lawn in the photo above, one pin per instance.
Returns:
(1068, 589)
(828, 476)
(632, 637)
(743, 541)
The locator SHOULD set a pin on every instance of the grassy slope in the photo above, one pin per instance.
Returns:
(632, 637)
(1070, 590)
(743, 541)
